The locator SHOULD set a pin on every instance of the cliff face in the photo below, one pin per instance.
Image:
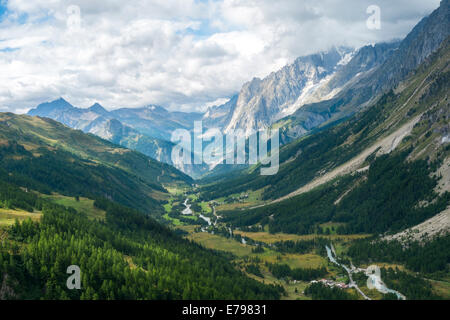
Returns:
(263, 101)
(390, 64)
(332, 85)
(425, 38)
(311, 79)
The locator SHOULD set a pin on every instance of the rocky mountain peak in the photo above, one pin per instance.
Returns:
(97, 108)
(263, 101)
(44, 109)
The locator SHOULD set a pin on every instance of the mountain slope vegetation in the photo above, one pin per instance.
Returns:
(308, 158)
(147, 129)
(46, 156)
(392, 188)
(127, 256)
(374, 164)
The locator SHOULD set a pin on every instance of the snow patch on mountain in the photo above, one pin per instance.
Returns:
(261, 102)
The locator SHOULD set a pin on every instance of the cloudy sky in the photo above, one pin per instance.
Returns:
(181, 54)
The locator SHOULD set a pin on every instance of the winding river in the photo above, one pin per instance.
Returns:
(188, 211)
(374, 278)
(206, 219)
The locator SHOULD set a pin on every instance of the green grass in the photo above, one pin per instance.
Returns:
(293, 260)
(83, 205)
(254, 199)
(205, 207)
(290, 290)
(188, 228)
(289, 287)
(8, 216)
(168, 207)
(216, 242)
(330, 226)
(193, 217)
(441, 288)
(372, 293)
(174, 221)
(267, 237)
(243, 255)
(175, 190)
(193, 197)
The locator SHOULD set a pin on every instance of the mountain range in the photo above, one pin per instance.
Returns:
(120, 174)
(364, 179)
(311, 92)
(259, 104)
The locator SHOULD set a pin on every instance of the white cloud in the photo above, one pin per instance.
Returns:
(182, 54)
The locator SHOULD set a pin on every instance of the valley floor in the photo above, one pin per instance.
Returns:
(247, 255)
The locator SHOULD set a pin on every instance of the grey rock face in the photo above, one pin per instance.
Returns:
(309, 80)
(373, 71)
(263, 101)
(219, 116)
(330, 86)
(313, 91)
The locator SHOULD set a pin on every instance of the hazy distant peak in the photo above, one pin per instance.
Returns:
(97, 108)
(47, 107)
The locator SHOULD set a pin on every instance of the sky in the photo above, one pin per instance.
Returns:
(184, 55)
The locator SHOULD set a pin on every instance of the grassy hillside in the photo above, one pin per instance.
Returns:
(384, 199)
(36, 132)
(46, 156)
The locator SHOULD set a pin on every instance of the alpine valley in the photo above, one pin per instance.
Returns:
(363, 183)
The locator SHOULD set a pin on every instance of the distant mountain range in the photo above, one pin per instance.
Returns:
(147, 129)
(151, 120)
(51, 155)
(259, 104)
(307, 82)
(264, 101)
(325, 87)
(312, 92)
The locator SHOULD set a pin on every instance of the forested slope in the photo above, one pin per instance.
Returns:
(46, 156)
(422, 95)
(395, 190)
(127, 256)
